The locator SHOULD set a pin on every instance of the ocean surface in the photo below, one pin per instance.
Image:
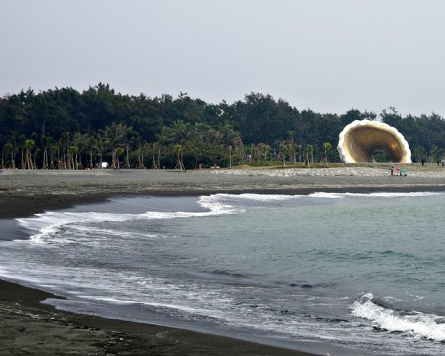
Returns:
(326, 272)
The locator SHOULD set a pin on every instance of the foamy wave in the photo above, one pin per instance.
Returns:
(415, 324)
(371, 195)
(216, 205)
(252, 196)
(223, 197)
(327, 195)
(49, 224)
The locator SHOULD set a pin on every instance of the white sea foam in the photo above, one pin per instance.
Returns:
(216, 205)
(415, 324)
(371, 195)
(47, 225)
(223, 197)
(268, 197)
(325, 195)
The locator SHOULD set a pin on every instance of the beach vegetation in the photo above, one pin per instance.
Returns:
(283, 153)
(309, 157)
(63, 128)
(327, 149)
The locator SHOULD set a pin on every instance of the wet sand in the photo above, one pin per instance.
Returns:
(29, 327)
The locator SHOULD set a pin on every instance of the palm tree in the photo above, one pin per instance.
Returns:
(238, 150)
(13, 144)
(92, 146)
(73, 150)
(228, 135)
(161, 144)
(327, 148)
(180, 132)
(283, 153)
(80, 141)
(118, 152)
(141, 150)
(308, 150)
(53, 149)
(29, 145)
(128, 138)
(179, 154)
(21, 143)
(292, 146)
(5, 150)
(263, 151)
(115, 136)
(155, 150)
(64, 146)
(46, 143)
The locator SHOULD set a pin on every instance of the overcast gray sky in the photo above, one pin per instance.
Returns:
(327, 55)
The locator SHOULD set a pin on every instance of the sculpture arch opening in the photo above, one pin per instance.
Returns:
(379, 157)
(360, 140)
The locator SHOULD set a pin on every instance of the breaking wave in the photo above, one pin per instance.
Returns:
(413, 323)
(372, 195)
(48, 224)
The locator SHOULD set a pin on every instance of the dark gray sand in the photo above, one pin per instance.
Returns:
(28, 327)
(27, 192)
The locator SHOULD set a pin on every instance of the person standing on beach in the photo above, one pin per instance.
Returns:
(422, 161)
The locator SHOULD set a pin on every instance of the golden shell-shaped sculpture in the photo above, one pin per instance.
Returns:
(361, 139)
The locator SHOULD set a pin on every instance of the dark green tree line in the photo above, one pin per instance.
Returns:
(63, 128)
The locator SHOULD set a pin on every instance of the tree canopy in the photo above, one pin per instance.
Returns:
(65, 128)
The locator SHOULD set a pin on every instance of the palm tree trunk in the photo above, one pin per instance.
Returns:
(127, 158)
(45, 158)
(27, 160)
(113, 159)
(182, 161)
(155, 165)
(22, 162)
(12, 158)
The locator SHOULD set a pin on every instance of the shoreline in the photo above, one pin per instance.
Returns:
(17, 206)
(39, 329)
(22, 312)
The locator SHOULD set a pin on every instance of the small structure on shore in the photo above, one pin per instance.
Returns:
(362, 139)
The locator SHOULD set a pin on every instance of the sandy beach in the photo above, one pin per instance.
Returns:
(32, 328)
(27, 192)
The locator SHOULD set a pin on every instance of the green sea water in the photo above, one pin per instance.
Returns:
(357, 272)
